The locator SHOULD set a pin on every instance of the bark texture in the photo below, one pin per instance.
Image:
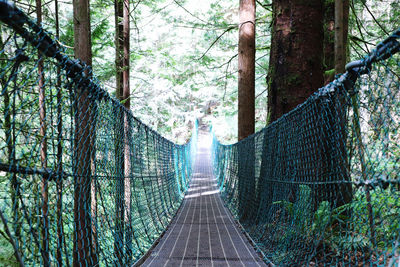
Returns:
(341, 31)
(295, 70)
(119, 46)
(125, 72)
(124, 235)
(343, 192)
(127, 138)
(43, 149)
(247, 51)
(83, 251)
(119, 133)
(246, 107)
(329, 41)
(59, 168)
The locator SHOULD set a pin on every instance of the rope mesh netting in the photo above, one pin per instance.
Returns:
(82, 181)
(320, 186)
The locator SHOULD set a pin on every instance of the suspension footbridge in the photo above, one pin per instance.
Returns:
(84, 182)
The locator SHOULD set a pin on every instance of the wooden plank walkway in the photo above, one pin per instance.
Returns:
(203, 233)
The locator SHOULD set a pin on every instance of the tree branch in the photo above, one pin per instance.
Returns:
(223, 64)
(264, 6)
(11, 240)
(266, 89)
(357, 22)
(187, 11)
(373, 17)
(215, 41)
(355, 38)
(226, 75)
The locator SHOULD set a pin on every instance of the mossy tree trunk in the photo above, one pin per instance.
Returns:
(295, 70)
(329, 41)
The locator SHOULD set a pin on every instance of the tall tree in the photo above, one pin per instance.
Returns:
(295, 65)
(246, 102)
(59, 168)
(83, 251)
(43, 148)
(123, 155)
(295, 72)
(119, 137)
(339, 106)
(247, 53)
(329, 41)
(336, 23)
(128, 136)
(341, 32)
(119, 47)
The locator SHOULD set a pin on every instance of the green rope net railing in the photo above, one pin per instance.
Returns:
(321, 185)
(82, 181)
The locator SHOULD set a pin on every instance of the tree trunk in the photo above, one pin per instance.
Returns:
(43, 149)
(344, 190)
(119, 135)
(295, 72)
(59, 166)
(124, 229)
(119, 46)
(246, 106)
(127, 135)
(83, 251)
(336, 23)
(295, 66)
(336, 13)
(125, 66)
(247, 52)
(329, 41)
(340, 56)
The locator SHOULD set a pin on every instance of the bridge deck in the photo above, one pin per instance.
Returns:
(203, 233)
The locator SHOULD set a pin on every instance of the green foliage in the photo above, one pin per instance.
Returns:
(167, 38)
(7, 257)
(342, 228)
(386, 211)
(174, 80)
